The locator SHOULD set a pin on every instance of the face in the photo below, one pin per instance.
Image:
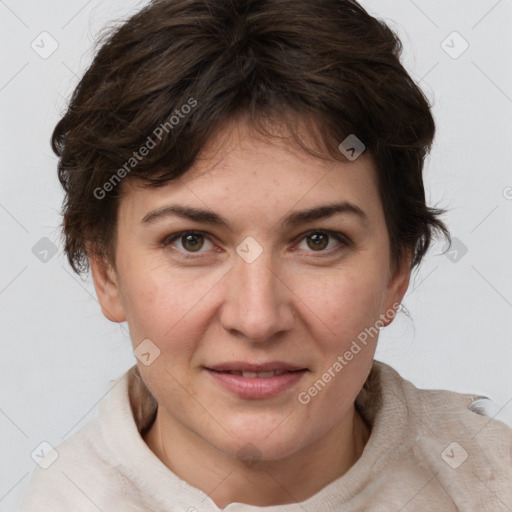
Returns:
(254, 277)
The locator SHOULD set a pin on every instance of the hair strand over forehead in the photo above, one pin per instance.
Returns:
(178, 70)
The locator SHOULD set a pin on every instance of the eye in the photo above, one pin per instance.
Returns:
(322, 241)
(188, 241)
(319, 241)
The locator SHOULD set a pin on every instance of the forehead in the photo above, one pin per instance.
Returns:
(243, 169)
(280, 140)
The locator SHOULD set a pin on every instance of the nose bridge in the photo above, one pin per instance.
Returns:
(259, 279)
(256, 304)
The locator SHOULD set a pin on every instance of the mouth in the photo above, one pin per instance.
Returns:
(259, 375)
(251, 381)
(251, 370)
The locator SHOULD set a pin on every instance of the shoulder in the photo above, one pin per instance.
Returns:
(55, 480)
(456, 436)
(82, 473)
(460, 414)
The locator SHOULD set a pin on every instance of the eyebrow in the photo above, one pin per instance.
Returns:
(292, 219)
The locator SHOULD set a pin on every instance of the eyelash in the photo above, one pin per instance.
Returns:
(339, 237)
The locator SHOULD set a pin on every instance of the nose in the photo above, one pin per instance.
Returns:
(257, 304)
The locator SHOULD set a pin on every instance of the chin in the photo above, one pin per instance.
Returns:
(253, 452)
(255, 440)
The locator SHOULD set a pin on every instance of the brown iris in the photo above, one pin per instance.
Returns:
(317, 241)
(192, 242)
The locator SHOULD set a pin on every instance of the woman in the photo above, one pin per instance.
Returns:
(244, 181)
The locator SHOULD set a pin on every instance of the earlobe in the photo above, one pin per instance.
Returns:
(107, 288)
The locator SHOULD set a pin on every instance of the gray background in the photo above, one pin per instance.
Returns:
(59, 352)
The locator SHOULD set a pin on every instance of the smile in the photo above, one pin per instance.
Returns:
(260, 375)
(256, 381)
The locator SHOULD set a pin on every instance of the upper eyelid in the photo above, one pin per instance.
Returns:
(167, 240)
(331, 232)
(340, 237)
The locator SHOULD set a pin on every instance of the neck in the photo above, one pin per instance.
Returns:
(226, 480)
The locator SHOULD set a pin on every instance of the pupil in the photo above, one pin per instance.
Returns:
(319, 240)
(191, 242)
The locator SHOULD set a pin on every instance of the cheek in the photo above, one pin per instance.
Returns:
(163, 304)
(342, 305)
(342, 316)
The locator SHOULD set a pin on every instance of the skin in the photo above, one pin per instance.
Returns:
(295, 303)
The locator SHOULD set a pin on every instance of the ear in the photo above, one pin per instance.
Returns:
(106, 285)
(397, 286)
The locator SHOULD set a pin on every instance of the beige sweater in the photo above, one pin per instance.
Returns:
(427, 452)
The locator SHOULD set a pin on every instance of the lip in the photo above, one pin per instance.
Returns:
(256, 387)
(271, 366)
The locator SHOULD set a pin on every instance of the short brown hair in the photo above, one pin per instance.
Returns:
(185, 67)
